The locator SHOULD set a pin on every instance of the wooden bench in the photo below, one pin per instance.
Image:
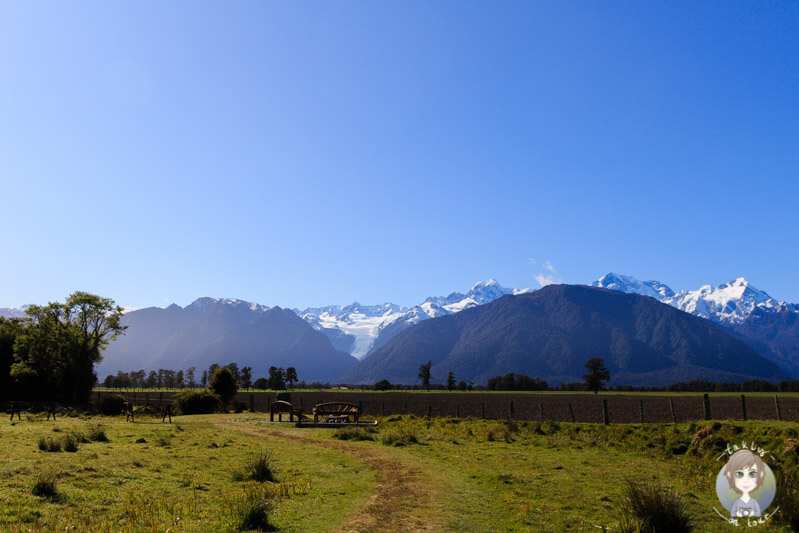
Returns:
(336, 412)
(281, 407)
(164, 410)
(18, 407)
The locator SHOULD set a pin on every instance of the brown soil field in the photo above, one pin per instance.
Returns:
(621, 408)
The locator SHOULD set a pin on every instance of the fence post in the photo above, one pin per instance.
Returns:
(673, 416)
(252, 403)
(457, 411)
(706, 405)
(483, 410)
(777, 405)
(510, 410)
(571, 411)
(743, 406)
(642, 411)
(605, 411)
(429, 410)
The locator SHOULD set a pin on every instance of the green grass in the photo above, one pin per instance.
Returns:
(179, 479)
(230, 472)
(574, 477)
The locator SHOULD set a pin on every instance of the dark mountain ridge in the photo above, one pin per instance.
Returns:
(217, 331)
(552, 332)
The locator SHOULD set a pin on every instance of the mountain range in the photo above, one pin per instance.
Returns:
(211, 330)
(552, 332)
(324, 343)
(359, 329)
(769, 326)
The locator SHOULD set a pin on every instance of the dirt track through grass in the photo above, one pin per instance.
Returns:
(407, 496)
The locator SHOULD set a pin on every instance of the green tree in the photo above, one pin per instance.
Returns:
(276, 378)
(291, 376)
(223, 384)
(424, 374)
(246, 377)
(190, 377)
(9, 329)
(59, 344)
(383, 385)
(597, 375)
(234, 369)
(451, 381)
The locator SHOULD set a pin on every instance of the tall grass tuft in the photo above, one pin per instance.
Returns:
(49, 445)
(70, 443)
(258, 468)
(353, 433)
(787, 498)
(398, 438)
(45, 486)
(251, 512)
(97, 434)
(653, 508)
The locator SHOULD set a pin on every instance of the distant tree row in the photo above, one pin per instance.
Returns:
(171, 379)
(516, 382)
(701, 385)
(594, 381)
(50, 354)
(156, 379)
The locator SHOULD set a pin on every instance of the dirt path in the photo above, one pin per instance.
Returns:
(406, 498)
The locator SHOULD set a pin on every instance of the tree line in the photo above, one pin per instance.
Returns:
(276, 378)
(594, 381)
(50, 353)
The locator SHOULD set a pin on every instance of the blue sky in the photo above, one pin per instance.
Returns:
(301, 154)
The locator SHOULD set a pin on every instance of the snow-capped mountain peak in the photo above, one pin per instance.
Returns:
(355, 328)
(629, 284)
(13, 312)
(729, 303)
(205, 301)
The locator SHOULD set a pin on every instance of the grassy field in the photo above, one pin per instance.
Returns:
(202, 473)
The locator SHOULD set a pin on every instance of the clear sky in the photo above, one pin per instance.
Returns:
(310, 153)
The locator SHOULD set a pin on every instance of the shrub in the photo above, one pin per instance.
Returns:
(224, 385)
(45, 486)
(196, 402)
(112, 404)
(654, 508)
(352, 433)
